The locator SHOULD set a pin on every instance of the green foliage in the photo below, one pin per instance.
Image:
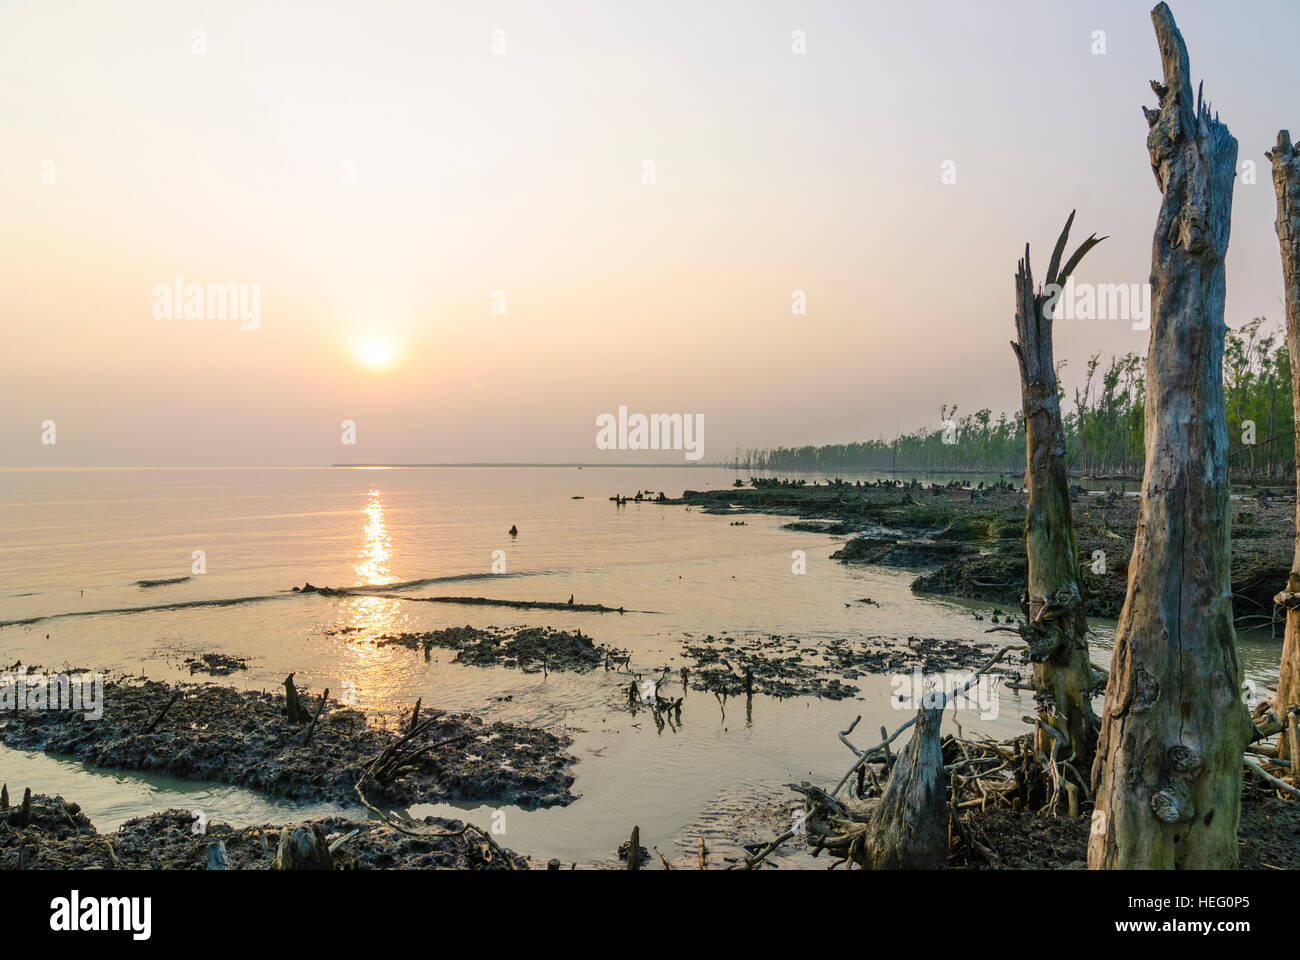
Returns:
(1103, 431)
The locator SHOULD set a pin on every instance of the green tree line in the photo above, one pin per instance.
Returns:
(1103, 424)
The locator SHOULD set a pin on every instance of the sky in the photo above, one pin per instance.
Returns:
(473, 228)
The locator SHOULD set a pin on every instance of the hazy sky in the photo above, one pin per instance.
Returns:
(136, 150)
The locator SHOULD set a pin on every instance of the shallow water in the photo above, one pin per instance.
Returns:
(76, 541)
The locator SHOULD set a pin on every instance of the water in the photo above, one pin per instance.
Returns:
(76, 541)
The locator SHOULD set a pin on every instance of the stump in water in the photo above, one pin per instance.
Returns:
(1167, 779)
(908, 830)
(293, 707)
(302, 848)
(1056, 628)
(1286, 182)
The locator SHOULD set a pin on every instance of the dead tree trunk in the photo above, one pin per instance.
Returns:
(908, 830)
(1286, 181)
(1056, 627)
(1167, 779)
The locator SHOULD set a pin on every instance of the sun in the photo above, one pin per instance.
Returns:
(376, 353)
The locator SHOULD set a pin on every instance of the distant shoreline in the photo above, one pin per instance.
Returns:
(643, 466)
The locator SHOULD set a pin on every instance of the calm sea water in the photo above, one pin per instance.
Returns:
(77, 541)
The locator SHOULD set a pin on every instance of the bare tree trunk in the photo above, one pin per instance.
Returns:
(1286, 181)
(1167, 778)
(909, 828)
(1056, 626)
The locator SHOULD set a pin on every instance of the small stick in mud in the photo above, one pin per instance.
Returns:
(161, 713)
(4, 797)
(324, 702)
(24, 815)
(415, 714)
(751, 862)
(704, 855)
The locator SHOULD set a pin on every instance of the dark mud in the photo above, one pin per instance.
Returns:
(216, 664)
(244, 738)
(531, 649)
(59, 836)
(792, 667)
(888, 552)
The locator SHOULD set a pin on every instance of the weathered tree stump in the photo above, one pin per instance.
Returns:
(634, 850)
(908, 829)
(293, 706)
(1167, 779)
(1286, 183)
(1056, 628)
(302, 848)
(216, 858)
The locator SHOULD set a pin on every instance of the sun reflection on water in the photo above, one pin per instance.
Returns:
(377, 548)
(373, 614)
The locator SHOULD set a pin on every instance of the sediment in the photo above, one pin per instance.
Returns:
(59, 836)
(244, 738)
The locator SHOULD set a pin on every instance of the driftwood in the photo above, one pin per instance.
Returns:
(1286, 183)
(399, 754)
(907, 828)
(1167, 779)
(1255, 767)
(883, 748)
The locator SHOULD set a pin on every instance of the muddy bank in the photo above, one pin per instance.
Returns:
(531, 649)
(889, 552)
(245, 738)
(58, 836)
(973, 537)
